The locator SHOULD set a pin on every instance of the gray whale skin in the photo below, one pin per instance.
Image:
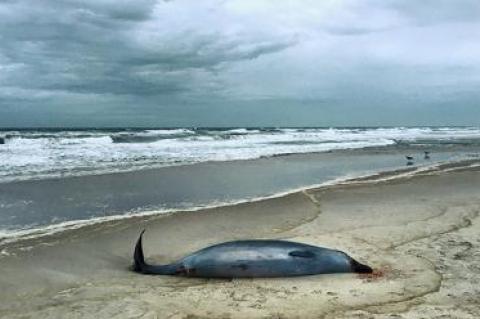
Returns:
(254, 258)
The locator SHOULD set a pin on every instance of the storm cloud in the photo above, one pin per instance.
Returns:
(238, 62)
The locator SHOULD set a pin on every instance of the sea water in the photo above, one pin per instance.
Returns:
(58, 177)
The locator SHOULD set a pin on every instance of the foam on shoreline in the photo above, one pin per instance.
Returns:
(8, 237)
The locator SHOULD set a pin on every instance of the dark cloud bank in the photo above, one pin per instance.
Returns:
(237, 63)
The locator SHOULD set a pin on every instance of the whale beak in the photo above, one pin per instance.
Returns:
(360, 268)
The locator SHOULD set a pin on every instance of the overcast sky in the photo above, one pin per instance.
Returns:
(239, 62)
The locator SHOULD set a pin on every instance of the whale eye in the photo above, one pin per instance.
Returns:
(302, 254)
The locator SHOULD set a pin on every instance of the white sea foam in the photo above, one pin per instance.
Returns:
(37, 154)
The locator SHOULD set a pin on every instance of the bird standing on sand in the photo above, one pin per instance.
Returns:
(409, 160)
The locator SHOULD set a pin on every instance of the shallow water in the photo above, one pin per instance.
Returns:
(50, 176)
(39, 203)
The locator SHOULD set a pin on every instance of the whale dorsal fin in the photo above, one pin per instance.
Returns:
(302, 253)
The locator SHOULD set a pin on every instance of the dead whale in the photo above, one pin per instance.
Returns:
(254, 258)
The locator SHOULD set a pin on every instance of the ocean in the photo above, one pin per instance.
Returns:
(52, 179)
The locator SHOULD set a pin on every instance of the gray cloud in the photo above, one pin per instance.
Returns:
(434, 11)
(148, 58)
(92, 47)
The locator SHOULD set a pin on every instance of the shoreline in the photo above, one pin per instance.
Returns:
(419, 232)
(8, 237)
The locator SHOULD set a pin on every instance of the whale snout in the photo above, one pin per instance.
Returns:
(360, 268)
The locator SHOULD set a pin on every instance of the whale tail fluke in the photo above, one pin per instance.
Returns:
(142, 267)
(138, 258)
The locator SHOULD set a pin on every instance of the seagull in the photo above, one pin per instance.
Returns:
(409, 160)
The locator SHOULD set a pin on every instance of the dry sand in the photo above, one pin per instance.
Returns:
(420, 233)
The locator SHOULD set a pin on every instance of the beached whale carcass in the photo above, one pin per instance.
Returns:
(254, 258)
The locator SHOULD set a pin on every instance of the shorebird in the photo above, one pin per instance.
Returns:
(427, 155)
(409, 160)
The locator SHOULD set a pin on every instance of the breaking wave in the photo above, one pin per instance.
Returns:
(51, 153)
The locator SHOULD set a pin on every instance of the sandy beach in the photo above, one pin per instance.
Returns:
(420, 232)
(239, 159)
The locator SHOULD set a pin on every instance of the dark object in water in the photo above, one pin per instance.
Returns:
(409, 160)
(254, 258)
(2, 140)
(427, 155)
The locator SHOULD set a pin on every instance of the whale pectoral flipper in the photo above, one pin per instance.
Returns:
(301, 254)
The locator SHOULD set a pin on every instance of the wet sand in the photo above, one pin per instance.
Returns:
(421, 233)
